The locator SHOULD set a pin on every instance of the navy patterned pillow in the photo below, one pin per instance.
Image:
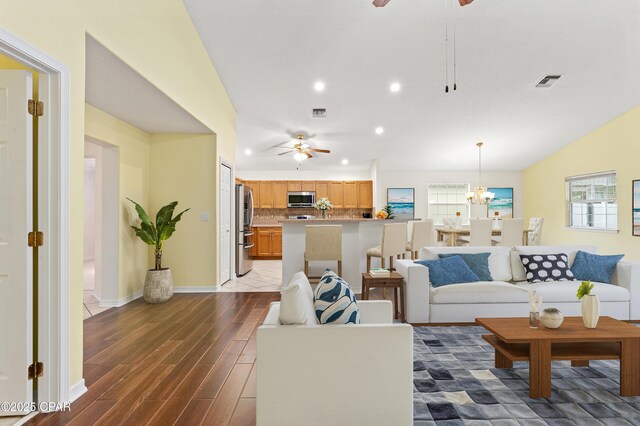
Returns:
(334, 301)
(547, 267)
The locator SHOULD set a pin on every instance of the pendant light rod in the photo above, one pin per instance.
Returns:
(479, 145)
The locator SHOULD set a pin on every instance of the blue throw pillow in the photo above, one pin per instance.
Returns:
(449, 270)
(593, 267)
(477, 262)
(334, 301)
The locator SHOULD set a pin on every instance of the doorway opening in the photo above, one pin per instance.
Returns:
(101, 226)
(227, 232)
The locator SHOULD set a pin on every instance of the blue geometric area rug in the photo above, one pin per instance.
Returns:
(455, 383)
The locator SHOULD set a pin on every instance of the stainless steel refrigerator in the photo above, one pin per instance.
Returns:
(244, 229)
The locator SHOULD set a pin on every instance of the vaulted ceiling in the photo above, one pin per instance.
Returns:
(269, 54)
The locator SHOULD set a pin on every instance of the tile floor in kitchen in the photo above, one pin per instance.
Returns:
(266, 275)
(91, 304)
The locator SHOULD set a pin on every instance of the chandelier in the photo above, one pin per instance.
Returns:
(480, 195)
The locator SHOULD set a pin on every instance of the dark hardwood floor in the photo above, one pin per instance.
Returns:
(189, 361)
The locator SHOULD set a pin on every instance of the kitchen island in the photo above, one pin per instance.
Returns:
(358, 235)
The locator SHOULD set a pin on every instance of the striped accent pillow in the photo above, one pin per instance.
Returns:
(334, 301)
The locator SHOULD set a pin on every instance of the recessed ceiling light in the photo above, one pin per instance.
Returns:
(319, 86)
(395, 87)
(379, 130)
(247, 151)
(345, 162)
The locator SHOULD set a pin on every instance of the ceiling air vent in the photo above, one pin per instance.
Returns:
(548, 80)
(319, 113)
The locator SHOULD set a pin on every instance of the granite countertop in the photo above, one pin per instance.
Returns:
(267, 225)
(345, 220)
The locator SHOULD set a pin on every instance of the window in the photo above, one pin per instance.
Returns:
(445, 199)
(592, 201)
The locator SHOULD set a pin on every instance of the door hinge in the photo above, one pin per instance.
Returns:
(35, 108)
(35, 239)
(35, 370)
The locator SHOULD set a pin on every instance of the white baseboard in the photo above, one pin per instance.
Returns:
(120, 302)
(196, 289)
(77, 390)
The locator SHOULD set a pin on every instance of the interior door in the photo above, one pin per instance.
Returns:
(225, 224)
(16, 219)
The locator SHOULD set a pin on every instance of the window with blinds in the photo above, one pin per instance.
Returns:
(592, 201)
(445, 199)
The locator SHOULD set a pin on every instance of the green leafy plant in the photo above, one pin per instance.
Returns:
(584, 289)
(389, 211)
(156, 234)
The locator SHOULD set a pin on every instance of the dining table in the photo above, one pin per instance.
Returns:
(454, 233)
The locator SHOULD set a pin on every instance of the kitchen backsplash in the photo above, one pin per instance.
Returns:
(271, 216)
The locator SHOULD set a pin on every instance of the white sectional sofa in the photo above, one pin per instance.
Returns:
(335, 374)
(508, 294)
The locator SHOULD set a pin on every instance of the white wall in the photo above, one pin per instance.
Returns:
(420, 179)
(303, 174)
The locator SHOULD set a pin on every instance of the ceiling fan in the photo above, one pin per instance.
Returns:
(302, 150)
(383, 3)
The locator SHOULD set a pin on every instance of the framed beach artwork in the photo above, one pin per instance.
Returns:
(502, 203)
(402, 202)
(636, 208)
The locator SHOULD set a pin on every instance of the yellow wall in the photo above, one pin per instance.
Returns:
(154, 37)
(614, 146)
(10, 64)
(134, 154)
(183, 167)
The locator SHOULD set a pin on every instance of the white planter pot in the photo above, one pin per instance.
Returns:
(590, 310)
(158, 286)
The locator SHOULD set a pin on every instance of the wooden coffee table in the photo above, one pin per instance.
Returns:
(514, 340)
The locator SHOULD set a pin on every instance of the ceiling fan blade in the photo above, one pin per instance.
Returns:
(327, 151)
(465, 2)
(282, 144)
(308, 154)
(380, 3)
(286, 152)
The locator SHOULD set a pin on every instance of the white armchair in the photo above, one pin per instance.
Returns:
(336, 374)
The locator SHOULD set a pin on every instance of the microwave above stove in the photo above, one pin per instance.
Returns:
(301, 199)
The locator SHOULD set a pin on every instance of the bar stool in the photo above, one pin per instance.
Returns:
(394, 243)
(322, 242)
(421, 236)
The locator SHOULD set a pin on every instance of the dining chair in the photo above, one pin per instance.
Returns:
(422, 235)
(480, 232)
(394, 243)
(322, 242)
(535, 230)
(512, 232)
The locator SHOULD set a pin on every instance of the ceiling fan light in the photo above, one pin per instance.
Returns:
(299, 156)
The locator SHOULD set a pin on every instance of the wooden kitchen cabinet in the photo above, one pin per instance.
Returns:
(276, 242)
(322, 189)
(268, 242)
(294, 186)
(266, 194)
(336, 194)
(280, 194)
(350, 195)
(307, 186)
(365, 194)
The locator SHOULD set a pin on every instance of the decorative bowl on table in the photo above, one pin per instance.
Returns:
(551, 317)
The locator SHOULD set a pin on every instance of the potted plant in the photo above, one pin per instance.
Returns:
(323, 204)
(158, 284)
(590, 305)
